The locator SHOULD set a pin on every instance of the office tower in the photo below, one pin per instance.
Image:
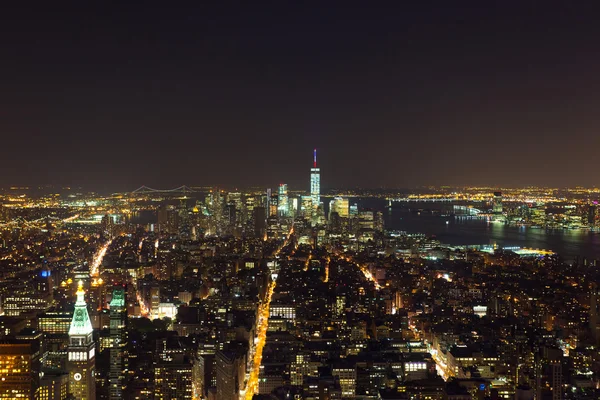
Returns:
(24, 303)
(55, 327)
(592, 215)
(44, 284)
(270, 378)
(273, 228)
(118, 341)
(274, 205)
(497, 203)
(283, 311)
(306, 206)
(231, 215)
(249, 203)
(378, 223)
(267, 201)
(184, 219)
(54, 385)
(557, 378)
(283, 208)
(108, 225)
(548, 373)
(293, 206)
(335, 223)
(168, 219)
(315, 182)
(19, 369)
(173, 379)
(260, 222)
(302, 367)
(366, 219)
(154, 299)
(346, 373)
(198, 376)
(237, 200)
(593, 315)
(230, 374)
(163, 217)
(10, 326)
(172, 371)
(81, 351)
(340, 206)
(340, 305)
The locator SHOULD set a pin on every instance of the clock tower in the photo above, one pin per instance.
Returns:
(81, 352)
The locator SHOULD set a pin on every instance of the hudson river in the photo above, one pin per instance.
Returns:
(456, 231)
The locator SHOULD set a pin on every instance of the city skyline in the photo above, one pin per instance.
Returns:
(314, 187)
(275, 294)
(275, 201)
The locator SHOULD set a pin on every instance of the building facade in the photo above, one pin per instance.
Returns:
(118, 341)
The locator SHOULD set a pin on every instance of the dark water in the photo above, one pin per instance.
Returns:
(459, 231)
(144, 217)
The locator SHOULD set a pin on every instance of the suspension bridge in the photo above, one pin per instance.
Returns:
(183, 189)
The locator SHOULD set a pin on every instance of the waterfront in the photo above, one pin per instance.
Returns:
(569, 243)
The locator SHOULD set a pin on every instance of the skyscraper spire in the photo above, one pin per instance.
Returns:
(80, 294)
(315, 158)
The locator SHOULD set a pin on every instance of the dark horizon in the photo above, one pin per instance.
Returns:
(40, 190)
(469, 93)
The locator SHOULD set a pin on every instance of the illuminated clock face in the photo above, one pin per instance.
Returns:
(77, 376)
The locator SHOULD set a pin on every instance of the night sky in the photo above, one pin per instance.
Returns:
(114, 95)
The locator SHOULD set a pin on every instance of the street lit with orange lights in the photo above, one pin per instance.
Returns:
(263, 323)
(365, 270)
(98, 258)
(261, 333)
(307, 262)
(143, 308)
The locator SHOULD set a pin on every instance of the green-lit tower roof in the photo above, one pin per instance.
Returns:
(118, 298)
(80, 324)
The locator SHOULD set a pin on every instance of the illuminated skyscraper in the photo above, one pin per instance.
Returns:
(172, 371)
(81, 352)
(260, 222)
(306, 206)
(339, 205)
(54, 385)
(274, 205)
(497, 204)
(284, 206)
(118, 339)
(315, 182)
(230, 374)
(19, 369)
(293, 206)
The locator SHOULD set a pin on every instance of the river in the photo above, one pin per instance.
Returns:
(569, 243)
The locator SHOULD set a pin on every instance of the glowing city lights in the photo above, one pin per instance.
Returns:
(98, 258)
